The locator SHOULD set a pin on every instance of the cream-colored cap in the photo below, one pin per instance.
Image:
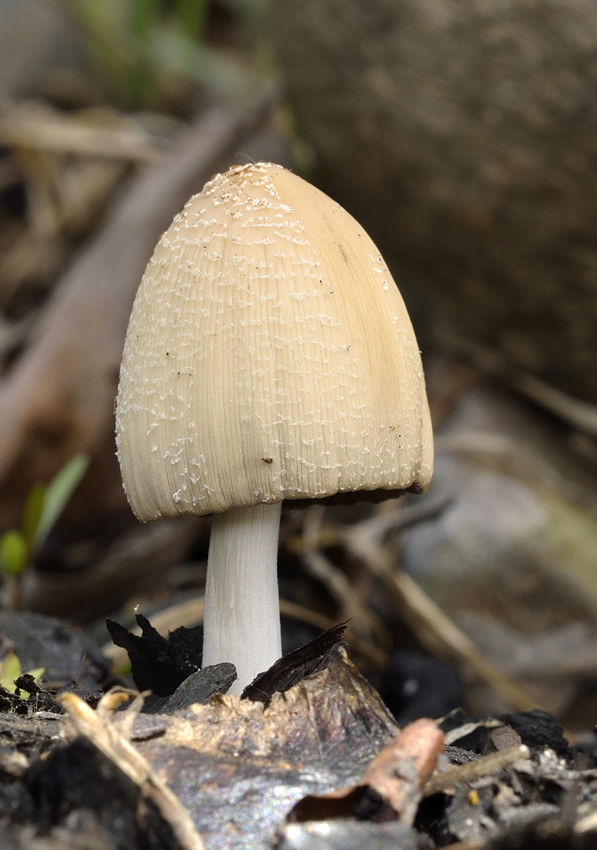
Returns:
(269, 356)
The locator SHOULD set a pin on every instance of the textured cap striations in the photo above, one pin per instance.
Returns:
(269, 356)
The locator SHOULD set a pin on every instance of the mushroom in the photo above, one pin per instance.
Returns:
(269, 356)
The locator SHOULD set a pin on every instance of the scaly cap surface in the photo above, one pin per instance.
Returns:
(269, 356)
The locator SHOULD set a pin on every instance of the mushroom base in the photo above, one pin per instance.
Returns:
(242, 609)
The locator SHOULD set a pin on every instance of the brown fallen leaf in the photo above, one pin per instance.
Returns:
(391, 786)
(402, 768)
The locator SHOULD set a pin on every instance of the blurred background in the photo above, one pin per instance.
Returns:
(463, 135)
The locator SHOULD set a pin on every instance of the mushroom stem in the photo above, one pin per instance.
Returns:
(242, 608)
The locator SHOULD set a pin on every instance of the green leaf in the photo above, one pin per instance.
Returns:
(10, 669)
(58, 494)
(177, 54)
(33, 512)
(13, 553)
(36, 674)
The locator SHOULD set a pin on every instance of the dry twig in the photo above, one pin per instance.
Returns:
(485, 766)
(579, 414)
(63, 134)
(363, 620)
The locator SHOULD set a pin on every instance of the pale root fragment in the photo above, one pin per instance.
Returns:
(269, 356)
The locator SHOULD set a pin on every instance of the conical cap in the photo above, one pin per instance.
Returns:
(269, 356)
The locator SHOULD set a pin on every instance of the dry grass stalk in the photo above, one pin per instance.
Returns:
(363, 620)
(485, 766)
(435, 630)
(23, 128)
(433, 627)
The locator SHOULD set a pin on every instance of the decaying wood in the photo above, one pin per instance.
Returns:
(106, 737)
(319, 735)
(318, 722)
(190, 613)
(58, 398)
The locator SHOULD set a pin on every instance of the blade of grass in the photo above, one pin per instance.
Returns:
(32, 513)
(144, 18)
(58, 494)
(108, 39)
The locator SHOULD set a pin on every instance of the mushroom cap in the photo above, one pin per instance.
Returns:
(269, 356)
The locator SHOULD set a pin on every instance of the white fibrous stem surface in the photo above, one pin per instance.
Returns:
(242, 613)
(269, 356)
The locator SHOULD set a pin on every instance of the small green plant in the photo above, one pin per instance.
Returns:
(44, 505)
(10, 670)
(144, 49)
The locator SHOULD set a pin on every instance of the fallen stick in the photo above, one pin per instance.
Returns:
(67, 135)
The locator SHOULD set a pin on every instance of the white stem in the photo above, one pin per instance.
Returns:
(242, 608)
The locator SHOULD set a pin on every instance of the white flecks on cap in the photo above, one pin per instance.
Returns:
(269, 356)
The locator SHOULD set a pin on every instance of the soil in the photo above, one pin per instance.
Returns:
(311, 758)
